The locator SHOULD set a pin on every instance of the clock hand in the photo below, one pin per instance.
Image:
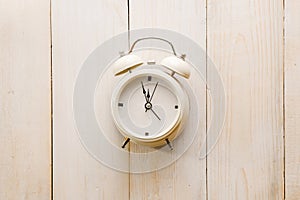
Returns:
(148, 95)
(144, 92)
(148, 105)
(155, 113)
(153, 92)
(150, 98)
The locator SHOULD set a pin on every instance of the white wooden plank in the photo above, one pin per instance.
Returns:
(292, 99)
(25, 99)
(184, 179)
(244, 40)
(78, 28)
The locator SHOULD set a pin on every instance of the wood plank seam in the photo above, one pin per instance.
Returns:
(51, 101)
(128, 29)
(283, 96)
(206, 105)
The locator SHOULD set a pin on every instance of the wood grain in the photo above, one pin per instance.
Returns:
(25, 114)
(78, 28)
(292, 99)
(184, 179)
(245, 40)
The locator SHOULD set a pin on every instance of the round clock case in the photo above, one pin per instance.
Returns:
(149, 106)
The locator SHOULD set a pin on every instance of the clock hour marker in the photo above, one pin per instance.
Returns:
(176, 106)
(149, 78)
(120, 104)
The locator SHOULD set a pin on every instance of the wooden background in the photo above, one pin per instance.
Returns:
(254, 43)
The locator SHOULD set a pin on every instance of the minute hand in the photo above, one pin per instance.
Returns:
(153, 92)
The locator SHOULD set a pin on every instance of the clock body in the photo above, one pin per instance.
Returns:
(149, 106)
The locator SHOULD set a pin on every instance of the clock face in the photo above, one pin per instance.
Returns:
(147, 105)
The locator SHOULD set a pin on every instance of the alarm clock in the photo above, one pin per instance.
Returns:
(149, 106)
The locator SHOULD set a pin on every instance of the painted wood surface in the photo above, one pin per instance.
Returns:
(186, 178)
(78, 28)
(292, 99)
(245, 41)
(257, 54)
(25, 115)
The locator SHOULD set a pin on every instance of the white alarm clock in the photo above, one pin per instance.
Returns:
(149, 106)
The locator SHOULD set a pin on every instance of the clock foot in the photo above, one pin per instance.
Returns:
(169, 144)
(125, 142)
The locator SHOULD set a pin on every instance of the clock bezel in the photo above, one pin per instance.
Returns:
(173, 130)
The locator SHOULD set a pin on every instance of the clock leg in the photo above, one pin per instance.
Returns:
(125, 142)
(169, 144)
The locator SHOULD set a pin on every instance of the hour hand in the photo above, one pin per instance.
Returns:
(144, 92)
(148, 105)
(148, 95)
